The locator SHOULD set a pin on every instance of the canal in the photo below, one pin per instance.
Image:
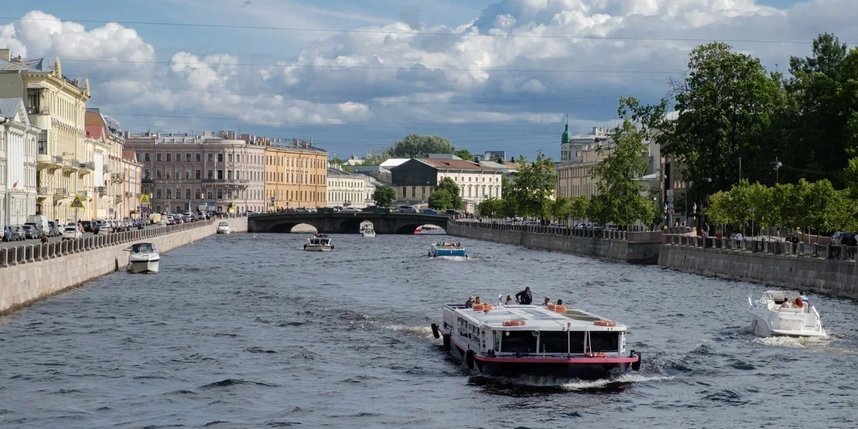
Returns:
(248, 330)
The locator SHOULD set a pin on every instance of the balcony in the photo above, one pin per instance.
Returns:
(117, 177)
(70, 166)
(86, 168)
(59, 193)
(43, 192)
(50, 162)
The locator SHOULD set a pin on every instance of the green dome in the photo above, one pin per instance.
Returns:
(565, 138)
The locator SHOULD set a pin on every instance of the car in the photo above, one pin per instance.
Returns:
(56, 229)
(72, 233)
(31, 231)
(429, 211)
(406, 209)
(10, 233)
(350, 209)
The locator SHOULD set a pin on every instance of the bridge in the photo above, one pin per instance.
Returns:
(344, 222)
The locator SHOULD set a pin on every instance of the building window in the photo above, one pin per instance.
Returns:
(168, 157)
(188, 157)
(188, 193)
(199, 157)
(211, 157)
(157, 193)
(220, 194)
(169, 194)
(220, 157)
(198, 174)
(220, 175)
(158, 156)
(158, 173)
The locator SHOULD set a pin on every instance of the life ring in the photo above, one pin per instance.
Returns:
(799, 303)
(513, 323)
(603, 322)
(482, 307)
(596, 355)
(551, 306)
(559, 308)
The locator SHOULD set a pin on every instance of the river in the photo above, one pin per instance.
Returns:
(248, 330)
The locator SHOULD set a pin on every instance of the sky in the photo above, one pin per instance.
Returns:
(356, 77)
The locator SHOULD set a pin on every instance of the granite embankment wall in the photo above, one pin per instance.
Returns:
(632, 247)
(33, 272)
(821, 270)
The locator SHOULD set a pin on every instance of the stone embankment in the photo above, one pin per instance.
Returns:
(636, 247)
(35, 271)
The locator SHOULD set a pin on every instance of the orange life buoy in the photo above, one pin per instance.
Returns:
(551, 306)
(596, 355)
(559, 308)
(603, 322)
(482, 307)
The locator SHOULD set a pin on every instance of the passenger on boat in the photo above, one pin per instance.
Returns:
(509, 300)
(524, 297)
(477, 300)
(470, 302)
(799, 303)
(547, 301)
(559, 302)
(786, 304)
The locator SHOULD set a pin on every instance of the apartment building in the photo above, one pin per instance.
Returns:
(295, 175)
(415, 179)
(213, 171)
(349, 190)
(18, 148)
(55, 104)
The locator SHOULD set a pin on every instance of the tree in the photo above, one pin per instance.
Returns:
(619, 198)
(383, 196)
(447, 184)
(533, 186)
(492, 207)
(724, 106)
(440, 199)
(464, 154)
(561, 209)
(579, 205)
(417, 146)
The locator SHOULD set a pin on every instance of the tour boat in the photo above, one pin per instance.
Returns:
(367, 231)
(143, 258)
(531, 340)
(429, 230)
(785, 313)
(319, 243)
(448, 250)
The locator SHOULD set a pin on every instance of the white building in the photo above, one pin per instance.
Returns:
(416, 179)
(346, 189)
(18, 148)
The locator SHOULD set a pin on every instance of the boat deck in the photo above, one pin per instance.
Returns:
(536, 318)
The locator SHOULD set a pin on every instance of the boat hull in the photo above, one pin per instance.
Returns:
(368, 234)
(139, 267)
(765, 327)
(315, 248)
(580, 367)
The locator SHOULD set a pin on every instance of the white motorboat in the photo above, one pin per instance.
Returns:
(223, 227)
(367, 231)
(144, 258)
(319, 243)
(535, 340)
(786, 313)
(429, 230)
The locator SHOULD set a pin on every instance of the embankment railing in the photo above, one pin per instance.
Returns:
(765, 246)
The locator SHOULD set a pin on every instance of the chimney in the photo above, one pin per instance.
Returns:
(6, 55)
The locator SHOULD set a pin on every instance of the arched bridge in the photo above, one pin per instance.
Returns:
(343, 222)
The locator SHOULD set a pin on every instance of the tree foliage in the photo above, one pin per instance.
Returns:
(534, 185)
(440, 199)
(383, 196)
(447, 184)
(417, 146)
(492, 207)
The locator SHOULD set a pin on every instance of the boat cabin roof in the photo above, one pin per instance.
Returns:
(536, 317)
(142, 247)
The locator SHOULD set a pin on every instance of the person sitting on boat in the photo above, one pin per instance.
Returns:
(799, 303)
(524, 297)
(546, 301)
(786, 304)
(559, 302)
(509, 300)
(477, 300)
(470, 302)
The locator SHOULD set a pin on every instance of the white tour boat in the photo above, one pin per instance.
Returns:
(788, 313)
(448, 250)
(531, 340)
(319, 243)
(429, 230)
(143, 258)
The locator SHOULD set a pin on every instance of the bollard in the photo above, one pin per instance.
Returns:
(38, 251)
(4, 255)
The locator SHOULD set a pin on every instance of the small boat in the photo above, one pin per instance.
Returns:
(223, 227)
(429, 230)
(319, 243)
(143, 258)
(367, 231)
(448, 250)
(786, 313)
(535, 340)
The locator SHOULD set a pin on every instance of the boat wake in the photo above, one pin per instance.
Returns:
(791, 342)
(421, 331)
(529, 385)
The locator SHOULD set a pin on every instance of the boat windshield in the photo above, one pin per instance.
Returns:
(558, 342)
(143, 248)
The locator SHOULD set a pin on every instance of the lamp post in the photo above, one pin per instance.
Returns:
(777, 166)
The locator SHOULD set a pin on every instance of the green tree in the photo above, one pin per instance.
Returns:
(533, 186)
(447, 184)
(464, 154)
(579, 205)
(417, 146)
(561, 209)
(724, 106)
(492, 207)
(619, 198)
(383, 196)
(440, 199)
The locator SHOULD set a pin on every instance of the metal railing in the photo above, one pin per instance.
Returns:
(765, 246)
(633, 233)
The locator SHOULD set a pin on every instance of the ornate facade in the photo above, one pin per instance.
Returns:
(18, 148)
(295, 175)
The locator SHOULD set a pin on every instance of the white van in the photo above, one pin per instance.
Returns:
(406, 209)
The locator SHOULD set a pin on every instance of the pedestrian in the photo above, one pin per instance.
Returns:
(524, 297)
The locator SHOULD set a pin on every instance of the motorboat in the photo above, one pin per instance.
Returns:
(143, 258)
(223, 227)
(319, 243)
(429, 230)
(532, 340)
(787, 313)
(367, 231)
(448, 250)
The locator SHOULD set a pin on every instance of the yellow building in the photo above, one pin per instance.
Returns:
(57, 105)
(296, 176)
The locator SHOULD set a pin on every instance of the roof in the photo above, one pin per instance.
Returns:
(456, 164)
(94, 131)
(9, 107)
(393, 162)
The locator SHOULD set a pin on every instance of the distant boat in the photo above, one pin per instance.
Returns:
(367, 231)
(319, 243)
(784, 313)
(429, 230)
(143, 258)
(448, 250)
(223, 227)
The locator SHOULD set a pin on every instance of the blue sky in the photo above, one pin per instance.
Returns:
(358, 76)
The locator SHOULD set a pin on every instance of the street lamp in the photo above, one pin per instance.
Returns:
(777, 165)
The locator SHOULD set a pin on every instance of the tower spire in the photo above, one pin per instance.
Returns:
(565, 138)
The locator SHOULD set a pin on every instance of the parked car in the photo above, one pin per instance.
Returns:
(406, 209)
(55, 230)
(10, 233)
(31, 231)
(429, 211)
(72, 233)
